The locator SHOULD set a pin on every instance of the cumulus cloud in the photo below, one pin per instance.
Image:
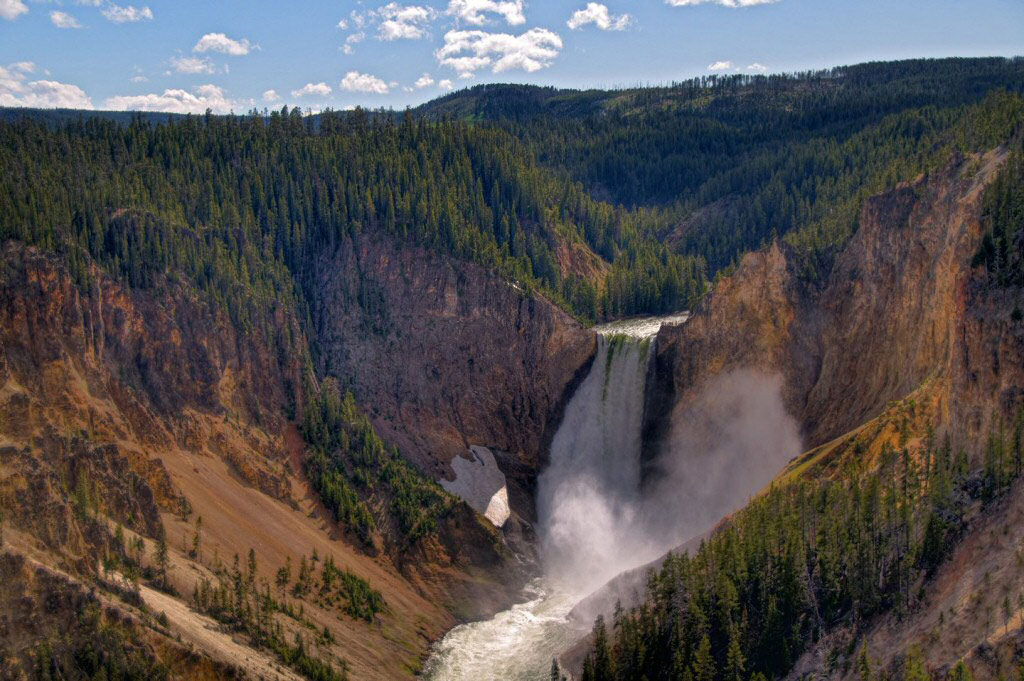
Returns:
(756, 67)
(720, 66)
(11, 9)
(409, 22)
(354, 81)
(176, 101)
(16, 90)
(445, 84)
(218, 42)
(271, 96)
(598, 14)
(474, 11)
(470, 51)
(426, 80)
(192, 65)
(127, 14)
(64, 20)
(312, 90)
(723, 3)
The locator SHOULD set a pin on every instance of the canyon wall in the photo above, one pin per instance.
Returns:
(445, 354)
(150, 408)
(901, 304)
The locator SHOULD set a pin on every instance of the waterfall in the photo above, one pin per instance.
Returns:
(589, 495)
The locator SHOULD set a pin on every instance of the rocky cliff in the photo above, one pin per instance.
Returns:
(445, 355)
(900, 304)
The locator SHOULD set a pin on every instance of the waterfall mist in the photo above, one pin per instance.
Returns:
(597, 517)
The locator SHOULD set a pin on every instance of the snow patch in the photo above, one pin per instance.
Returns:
(481, 484)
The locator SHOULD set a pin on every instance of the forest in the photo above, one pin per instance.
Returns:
(738, 160)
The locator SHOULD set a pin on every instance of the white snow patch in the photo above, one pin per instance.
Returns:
(481, 484)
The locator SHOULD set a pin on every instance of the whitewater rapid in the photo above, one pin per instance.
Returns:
(586, 505)
(515, 645)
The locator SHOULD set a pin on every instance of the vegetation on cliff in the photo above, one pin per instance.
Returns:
(354, 471)
(1002, 247)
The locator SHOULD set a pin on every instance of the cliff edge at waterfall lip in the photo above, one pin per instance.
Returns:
(641, 327)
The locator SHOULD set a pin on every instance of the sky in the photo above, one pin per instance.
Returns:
(235, 55)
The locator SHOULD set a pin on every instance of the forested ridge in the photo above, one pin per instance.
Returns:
(241, 204)
(752, 157)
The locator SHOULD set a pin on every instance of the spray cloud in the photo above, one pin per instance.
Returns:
(597, 519)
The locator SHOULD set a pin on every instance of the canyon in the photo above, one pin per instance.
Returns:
(337, 428)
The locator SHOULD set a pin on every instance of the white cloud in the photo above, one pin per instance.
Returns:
(720, 66)
(218, 42)
(426, 80)
(343, 25)
(11, 9)
(192, 65)
(363, 82)
(474, 11)
(358, 18)
(176, 101)
(598, 14)
(445, 84)
(470, 51)
(408, 22)
(139, 79)
(352, 40)
(271, 96)
(312, 90)
(128, 14)
(64, 20)
(47, 94)
(723, 3)
(757, 67)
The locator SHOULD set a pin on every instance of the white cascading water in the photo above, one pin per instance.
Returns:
(588, 507)
(588, 498)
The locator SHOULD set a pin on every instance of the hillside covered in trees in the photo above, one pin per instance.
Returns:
(734, 160)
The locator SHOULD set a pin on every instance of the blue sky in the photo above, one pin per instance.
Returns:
(239, 54)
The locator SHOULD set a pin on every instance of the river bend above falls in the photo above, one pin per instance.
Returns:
(588, 499)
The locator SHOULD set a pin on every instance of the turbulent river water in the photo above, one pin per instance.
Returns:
(588, 509)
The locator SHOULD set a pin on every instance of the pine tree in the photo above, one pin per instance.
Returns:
(960, 672)
(197, 538)
(704, 662)
(863, 663)
(162, 559)
(735, 663)
(602, 659)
